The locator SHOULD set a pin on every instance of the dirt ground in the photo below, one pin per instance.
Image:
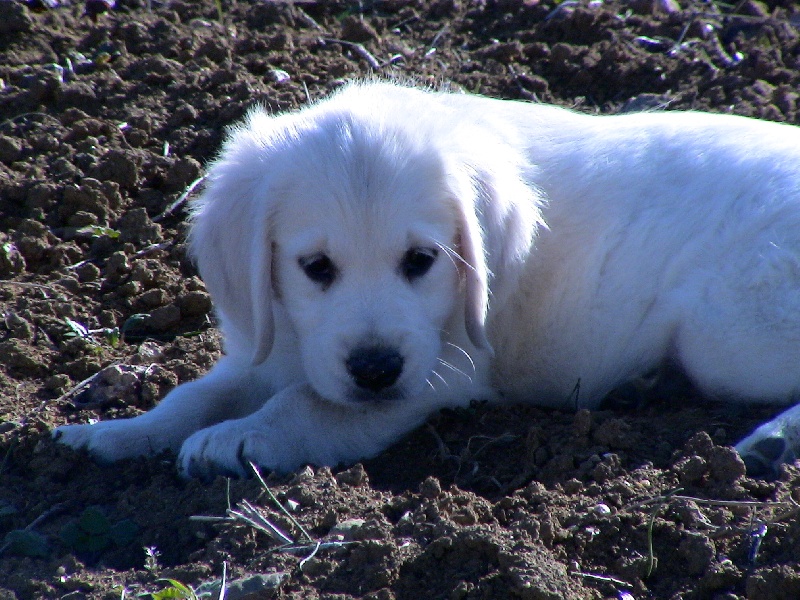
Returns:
(105, 119)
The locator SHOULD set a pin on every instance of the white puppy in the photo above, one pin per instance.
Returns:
(390, 251)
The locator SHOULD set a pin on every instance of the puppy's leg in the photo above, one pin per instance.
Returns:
(189, 407)
(294, 428)
(772, 444)
(739, 336)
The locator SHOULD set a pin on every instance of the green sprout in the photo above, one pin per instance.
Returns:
(93, 532)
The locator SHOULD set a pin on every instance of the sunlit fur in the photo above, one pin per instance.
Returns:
(573, 253)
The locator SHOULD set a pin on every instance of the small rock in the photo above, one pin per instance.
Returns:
(77, 93)
(183, 171)
(57, 383)
(14, 18)
(20, 357)
(117, 265)
(136, 226)
(652, 7)
(691, 469)
(11, 260)
(182, 115)
(154, 298)
(195, 303)
(356, 29)
(698, 551)
(82, 218)
(430, 488)
(18, 327)
(164, 317)
(773, 583)
(302, 495)
(107, 318)
(117, 166)
(129, 288)
(601, 509)
(280, 76)
(305, 475)
(720, 576)
(614, 433)
(700, 444)
(726, 465)
(355, 476)
(42, 85)
(87, 272)
(346, 530)
(10, 149)
(582, 423)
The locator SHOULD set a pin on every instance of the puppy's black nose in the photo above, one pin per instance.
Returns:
(374, 368)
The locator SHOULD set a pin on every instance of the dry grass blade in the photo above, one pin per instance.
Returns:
(280, 506)
(358, 49)
(606, 578)
(314, 547)
(250, 515)
(310, 556)
(181, 199)
(223, 582)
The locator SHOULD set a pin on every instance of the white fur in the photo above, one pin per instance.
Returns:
(575, 253)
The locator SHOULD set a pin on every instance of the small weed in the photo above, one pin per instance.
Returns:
(97, 231)
(25, 542)
(133, 322)
(110, 335)
(175, 590)
(151, 555)
(93, 532)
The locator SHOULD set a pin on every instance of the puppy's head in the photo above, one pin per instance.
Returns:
(366, 228)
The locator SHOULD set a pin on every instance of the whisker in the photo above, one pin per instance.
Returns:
(454, 256)
(443, 380)
(464, 352)
(454, 369)
(449, 253)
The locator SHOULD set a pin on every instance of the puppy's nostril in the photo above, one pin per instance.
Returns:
(375, 368)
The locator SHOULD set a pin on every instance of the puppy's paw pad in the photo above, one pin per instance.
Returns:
(757, 467)
(206, 471)
(75, 436)
(108, 441)
(763, 457)
(772, 448)
(222, 450)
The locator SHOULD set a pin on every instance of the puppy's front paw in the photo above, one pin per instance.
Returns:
(107, 441)
(74, 436)
(764, 453)
(772, 444)
(228, 449)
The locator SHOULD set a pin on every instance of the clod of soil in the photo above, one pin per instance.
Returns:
(106, 118)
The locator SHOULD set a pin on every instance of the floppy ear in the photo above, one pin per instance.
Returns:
(476, 288)
(230, 242)
(499, 215)
(261, 291)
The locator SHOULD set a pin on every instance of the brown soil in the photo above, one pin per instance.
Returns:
(102, 127)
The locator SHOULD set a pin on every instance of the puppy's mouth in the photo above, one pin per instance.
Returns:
(366, 397)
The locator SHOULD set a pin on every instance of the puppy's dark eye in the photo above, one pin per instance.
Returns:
(318, 268)
(417, 262)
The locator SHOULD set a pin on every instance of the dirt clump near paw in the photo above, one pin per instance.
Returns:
(104, 125)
